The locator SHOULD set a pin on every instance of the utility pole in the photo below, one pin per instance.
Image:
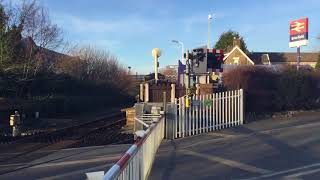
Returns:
(209, 41)
(209, 31)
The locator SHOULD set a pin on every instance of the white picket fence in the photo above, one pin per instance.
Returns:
(209, 113)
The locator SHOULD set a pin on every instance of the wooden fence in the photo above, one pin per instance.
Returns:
(156, 92)
(151, 92)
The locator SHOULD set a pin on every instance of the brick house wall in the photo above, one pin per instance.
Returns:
(236, 57)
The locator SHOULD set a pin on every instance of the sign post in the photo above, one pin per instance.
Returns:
(298, 58)
(298, 36)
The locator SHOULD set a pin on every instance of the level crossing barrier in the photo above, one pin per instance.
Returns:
(137, 162)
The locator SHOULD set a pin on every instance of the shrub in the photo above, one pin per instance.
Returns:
(271, 88)
(318, 63)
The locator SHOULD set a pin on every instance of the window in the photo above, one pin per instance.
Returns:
(265, 59)
(236, 60)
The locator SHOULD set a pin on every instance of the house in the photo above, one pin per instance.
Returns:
(48, 56)
(170, 72)
(237, 57)
(284, 58)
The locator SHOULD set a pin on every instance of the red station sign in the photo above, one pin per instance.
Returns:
(299, 32)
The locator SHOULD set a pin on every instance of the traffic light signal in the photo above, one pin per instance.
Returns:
(205, 60)
(189, 56)
(215, 59)
(199, 56)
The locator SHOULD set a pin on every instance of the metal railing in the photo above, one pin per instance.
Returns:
(137, 162)
(208, 113)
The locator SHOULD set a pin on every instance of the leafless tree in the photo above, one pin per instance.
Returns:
(37, 25)
(92, 64)
(39, 32)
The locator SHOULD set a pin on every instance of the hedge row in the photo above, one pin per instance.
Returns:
(275, 88)
(56, 94)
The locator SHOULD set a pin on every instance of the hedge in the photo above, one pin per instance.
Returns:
(275, 88)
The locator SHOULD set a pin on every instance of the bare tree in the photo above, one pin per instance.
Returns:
(98, 66)
(37, 25)
(40, 35)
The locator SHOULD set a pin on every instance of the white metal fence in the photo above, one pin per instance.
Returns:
(209, 112)
(137, 162)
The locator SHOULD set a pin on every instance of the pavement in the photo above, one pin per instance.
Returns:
(282, 148)
(63, 164)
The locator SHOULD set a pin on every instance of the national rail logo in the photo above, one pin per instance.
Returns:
(299, 32)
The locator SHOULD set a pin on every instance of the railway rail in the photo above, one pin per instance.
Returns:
(67, 132)
(101, 131)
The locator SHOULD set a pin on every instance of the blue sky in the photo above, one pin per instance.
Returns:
(129, 29)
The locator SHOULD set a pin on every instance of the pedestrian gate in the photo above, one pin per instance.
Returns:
(208, 113)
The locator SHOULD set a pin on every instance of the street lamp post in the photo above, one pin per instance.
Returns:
(182, 48)
(209, 31)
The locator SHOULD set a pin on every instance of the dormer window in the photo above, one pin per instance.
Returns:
(265, 59)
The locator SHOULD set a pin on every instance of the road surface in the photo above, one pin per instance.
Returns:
(269, 149)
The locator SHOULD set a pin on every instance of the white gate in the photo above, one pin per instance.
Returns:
(208, 113)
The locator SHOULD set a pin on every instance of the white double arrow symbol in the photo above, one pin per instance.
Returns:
(297, 26)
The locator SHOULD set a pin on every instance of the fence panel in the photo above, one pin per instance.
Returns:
(209, 112)
(156, 92)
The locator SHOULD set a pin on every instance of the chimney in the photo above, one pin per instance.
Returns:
(236, 42)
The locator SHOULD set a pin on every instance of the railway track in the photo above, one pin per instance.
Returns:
(68, 132)
(101, 131)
